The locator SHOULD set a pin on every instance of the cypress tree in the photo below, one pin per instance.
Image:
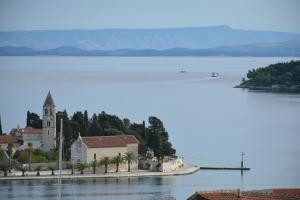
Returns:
(0, 126)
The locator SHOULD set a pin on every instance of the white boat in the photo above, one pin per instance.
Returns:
(214, 74)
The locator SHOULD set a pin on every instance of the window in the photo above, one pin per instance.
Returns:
(50, 111)
(46, 111)
(48, 132)
(48, 123)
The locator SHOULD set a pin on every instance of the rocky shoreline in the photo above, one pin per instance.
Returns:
(277, 88)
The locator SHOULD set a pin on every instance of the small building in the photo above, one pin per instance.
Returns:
(7, 139)
(168, 164)
(86, 149)
(28, 135)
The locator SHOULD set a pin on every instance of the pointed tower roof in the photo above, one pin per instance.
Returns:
(49, 101)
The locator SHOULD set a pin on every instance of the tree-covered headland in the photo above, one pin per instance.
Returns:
(279, 76)
(153, 136)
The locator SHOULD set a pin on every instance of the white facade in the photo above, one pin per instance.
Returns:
(34, 139)
(81, 153)
(167, 165)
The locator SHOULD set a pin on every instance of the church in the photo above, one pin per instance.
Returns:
(44, 138)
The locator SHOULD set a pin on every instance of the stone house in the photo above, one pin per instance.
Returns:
(28, 135)
(86, 149)
(6, 139)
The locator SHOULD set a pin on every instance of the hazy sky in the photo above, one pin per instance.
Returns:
(276, 15)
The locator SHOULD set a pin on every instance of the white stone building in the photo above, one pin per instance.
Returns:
(85, 149)
(168, 164)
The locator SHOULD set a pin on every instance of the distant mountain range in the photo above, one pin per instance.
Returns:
(156, 39)
(290, 48)
(196, 41)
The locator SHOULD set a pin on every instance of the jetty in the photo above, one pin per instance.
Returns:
(225, 168)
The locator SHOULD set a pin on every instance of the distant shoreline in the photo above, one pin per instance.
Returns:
(280, 89)
(185, 170)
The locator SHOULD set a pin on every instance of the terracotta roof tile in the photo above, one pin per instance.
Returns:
(109, 141)
(27, 130)
(219, 195)
(269, 194)
(5, 139)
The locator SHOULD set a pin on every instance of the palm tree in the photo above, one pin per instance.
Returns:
(71, 166)
(94, 165)
(38, 168)
(129, 157)
(30, 154)
(81, 167)
(52, 168)
(4, 166)
(117, 160)
(23, 169)
(9, 153)
(105, 161)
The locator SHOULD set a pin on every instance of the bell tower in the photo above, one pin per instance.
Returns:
(49, 124)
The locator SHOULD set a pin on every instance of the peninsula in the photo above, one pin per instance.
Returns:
(279, 77)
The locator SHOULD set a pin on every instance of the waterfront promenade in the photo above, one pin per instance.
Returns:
(66, 174)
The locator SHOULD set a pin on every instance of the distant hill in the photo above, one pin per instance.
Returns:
(290, 48)
(156, 39)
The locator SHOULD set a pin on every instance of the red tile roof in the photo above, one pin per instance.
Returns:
(5, 139)
(27, 130)
(219, 195)
(270, 194)
(109, 141)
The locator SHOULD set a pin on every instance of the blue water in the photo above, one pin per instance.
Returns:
(209, 121)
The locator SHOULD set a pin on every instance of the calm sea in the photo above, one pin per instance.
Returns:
(209, 122)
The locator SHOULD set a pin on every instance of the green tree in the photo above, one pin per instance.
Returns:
(4, 166)
(81, 167)
(158, 138)
(1, 133)
(33, 120)
(29, 154)
(10, 147)
(94, 165)
(38, 169)
(52, 169)
(23, 169)
(117, 160)
(105, 161)
(129, 157)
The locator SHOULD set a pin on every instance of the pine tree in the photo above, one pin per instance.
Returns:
(0, 127)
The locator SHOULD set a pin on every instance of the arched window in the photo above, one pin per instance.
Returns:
(46, 111)
(50, 111)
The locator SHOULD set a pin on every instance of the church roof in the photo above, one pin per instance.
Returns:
(109, 141)
(5, 139)
(49, 101)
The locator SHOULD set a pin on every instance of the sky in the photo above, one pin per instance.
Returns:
(273, 15)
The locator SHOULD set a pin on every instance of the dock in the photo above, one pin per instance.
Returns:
(225, 168)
